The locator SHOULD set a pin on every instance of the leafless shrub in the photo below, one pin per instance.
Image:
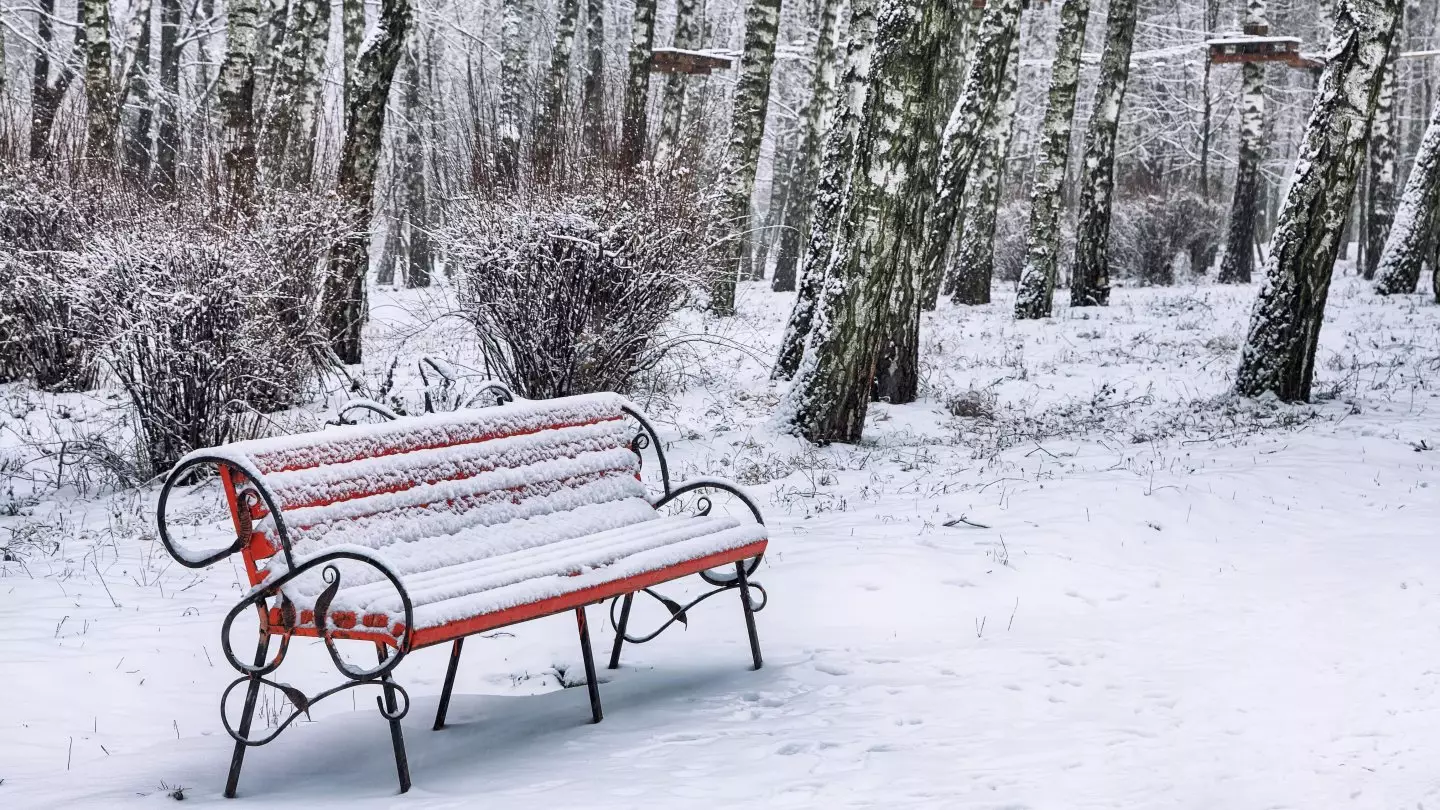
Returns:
(972, 404)
(1148, 234)
(207, 326)
(1011, 230)
(568, 285)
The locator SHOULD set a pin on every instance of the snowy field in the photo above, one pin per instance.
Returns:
(1157, 597)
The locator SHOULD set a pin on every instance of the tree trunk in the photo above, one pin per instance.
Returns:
(835, 381)
(1405, 246)
(1381, 176)
(419, 256)
(1279, 352)
(592, 93)
(963, 139)
(897, 366)
(1212, 23)
(549, 134)
(167, 144)
(1042, 251)
(237, 99)
(972, 266)
(742, 156)
(634, 123)
(359, 157)
(818, 117)
(1238, 260)
(45, 95)
(1090, 278)
(833, 188)
(137, 91)
(291, 138)
(99, 97)
(689, 33)
(514, 75)
(352, 34)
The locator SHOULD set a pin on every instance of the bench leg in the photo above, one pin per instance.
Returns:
(252, 693)
(449, 683)
(402, 764)
(749, 612)
(620, 631)
(591, 682)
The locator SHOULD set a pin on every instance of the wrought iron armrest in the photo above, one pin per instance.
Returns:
(703, 505)
(343, 414)
(255, 494)
(270, 588)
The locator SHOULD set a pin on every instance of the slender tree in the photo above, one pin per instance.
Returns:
(1415, 222)
(1278, 355)
(972, 266)
(237, 98)
(1238, 260)
(136, 92)
(742, 156)
(1382, 176)
(418, 253)
(1090, 279)
(634, 122)
(1042, 251)
(359, 157)
(548, 135)
(167, 142)
(689, 34)
(514, 87)
(99, 96)
(834, 383)
(592, 92)
(296, 92)
(352, 34)
(46, 91)
(833, 187)
(818, 116)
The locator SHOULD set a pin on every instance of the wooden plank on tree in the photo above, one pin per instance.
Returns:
(1241, 49)
(679, 60)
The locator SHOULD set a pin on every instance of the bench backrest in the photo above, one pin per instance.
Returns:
(444, 475)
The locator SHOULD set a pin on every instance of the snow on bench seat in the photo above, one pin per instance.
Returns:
(478, 512)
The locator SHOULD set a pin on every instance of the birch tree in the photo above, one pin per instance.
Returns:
(1090, 278)
(99, 97)
(1404, 253)
(1278, 355)
(295, 93)
(1042, 252)
(514, 87)
(816, 120)
(1381, 175)
(237, 98)
(359, 156)
(136, 149)
(167, 141)
(592, 92)
(961, 144)
(352, 34)
(742, 153)
(1238, 260)
(834, 382)
(548, 135)
(972, 266)
(689, 35)
(46, 91)
(832, 189)
(634, 122)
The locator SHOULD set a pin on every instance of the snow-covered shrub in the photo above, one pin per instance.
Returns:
(1148, 234)
(568, 287)
(41, 219)
(1011, 227)
(208, 321)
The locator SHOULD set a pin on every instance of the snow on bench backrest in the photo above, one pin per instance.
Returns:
(429, 477)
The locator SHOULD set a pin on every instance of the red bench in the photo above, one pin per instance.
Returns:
(425, 530)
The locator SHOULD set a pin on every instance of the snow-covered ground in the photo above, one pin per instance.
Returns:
(1157, 597)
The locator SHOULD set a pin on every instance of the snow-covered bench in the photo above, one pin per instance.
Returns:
(425, 530)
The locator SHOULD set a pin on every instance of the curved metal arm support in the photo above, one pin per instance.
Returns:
(331, 574)
(678, 612)
(647, 437)
(723, 576)
(342, 416)
(184, 468)
(303, 702)
(502, 393)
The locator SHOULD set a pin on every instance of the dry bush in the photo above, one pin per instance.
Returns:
(41, 219)
(209, 320)
(1148, 233)
(569, 284)
(1011, 231)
